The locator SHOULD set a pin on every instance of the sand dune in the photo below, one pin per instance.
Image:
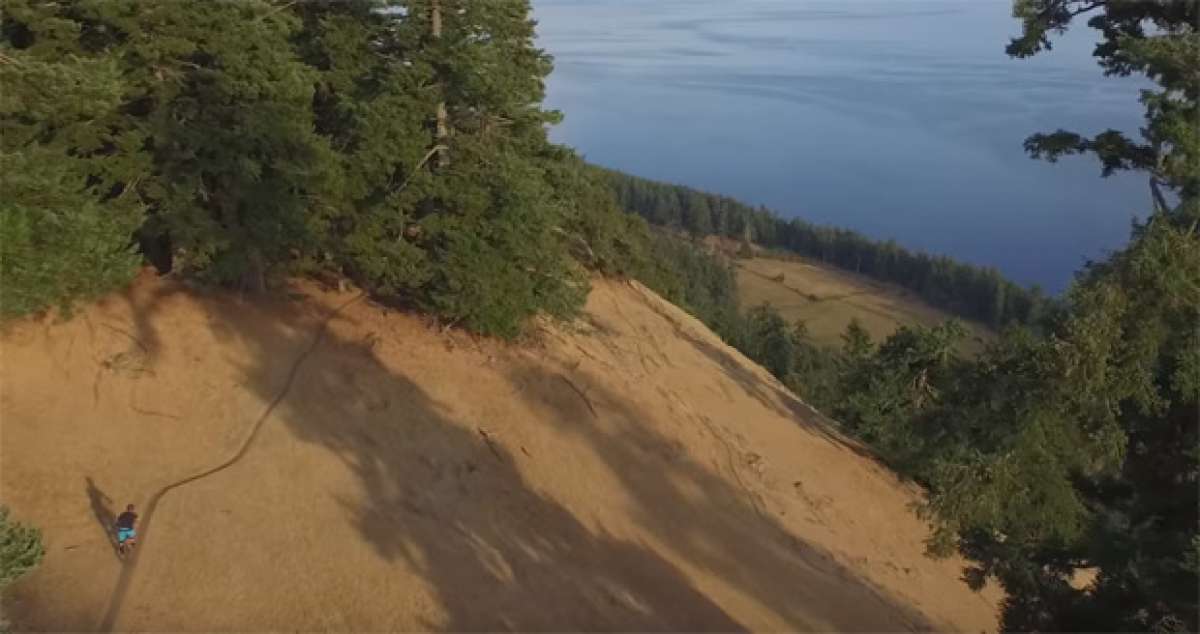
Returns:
(315, 461)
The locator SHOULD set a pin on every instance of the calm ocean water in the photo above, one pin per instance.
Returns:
(899, 118)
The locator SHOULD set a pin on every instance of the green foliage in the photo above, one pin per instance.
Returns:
(57, 245)
(1157, 39)
(58, 240)
(1056, 452)
(497, 236)
(697, 217)
(236, 158)
(816, 371)
(888, 393)
(1073, 447)
(856, 342)
(20, 548)
(370, 107)
(1094, 462)
(693, 279)
(1053, 453)
(497, 258)
(597, 232)
(240, 141)
(768, 339)
(1070, 448)
(1096, 449)
(212, 119)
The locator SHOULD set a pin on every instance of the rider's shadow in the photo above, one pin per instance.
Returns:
(103, 512)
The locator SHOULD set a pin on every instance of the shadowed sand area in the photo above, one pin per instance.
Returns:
(625, 472)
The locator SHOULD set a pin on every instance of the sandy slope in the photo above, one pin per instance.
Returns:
(630, 472)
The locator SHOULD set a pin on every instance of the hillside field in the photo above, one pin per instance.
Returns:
(826, 299)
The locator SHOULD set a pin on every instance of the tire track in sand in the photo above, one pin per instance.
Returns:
(117, 598)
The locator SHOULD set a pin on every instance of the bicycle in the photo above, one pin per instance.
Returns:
(126, 542)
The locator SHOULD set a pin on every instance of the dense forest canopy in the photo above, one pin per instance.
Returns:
(402, 144)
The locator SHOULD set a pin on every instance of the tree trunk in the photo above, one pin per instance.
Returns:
(254, 278)
(442, 130)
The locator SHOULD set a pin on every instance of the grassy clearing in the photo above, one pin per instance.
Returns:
(826, 299)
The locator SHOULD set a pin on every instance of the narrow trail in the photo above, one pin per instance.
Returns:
(812, 297)
(117, 598)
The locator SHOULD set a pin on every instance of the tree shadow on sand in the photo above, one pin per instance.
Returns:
(446, 498)
(450, 502)
(724, 531)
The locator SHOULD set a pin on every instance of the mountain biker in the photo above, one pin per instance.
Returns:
(125, 523)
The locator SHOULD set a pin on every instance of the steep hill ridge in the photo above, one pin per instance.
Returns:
(626, 472)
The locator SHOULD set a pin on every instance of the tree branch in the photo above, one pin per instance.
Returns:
(275, 10)
(1160, 202)
(428, 155)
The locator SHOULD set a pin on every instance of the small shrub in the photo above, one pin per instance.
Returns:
(20, 549)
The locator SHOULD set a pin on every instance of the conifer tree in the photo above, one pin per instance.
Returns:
(1157, 39)
(856, 341)
(697, 217)
(489, 222)
(770, 341)
(371, 103)
(1080, 449)
(214, 123)
(67, 217)
(401, 143)
(237, 162)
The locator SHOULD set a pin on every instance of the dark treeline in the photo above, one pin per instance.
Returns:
(972, 292)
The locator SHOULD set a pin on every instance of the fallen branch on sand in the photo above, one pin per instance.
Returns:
(581, 394)
(487, 439)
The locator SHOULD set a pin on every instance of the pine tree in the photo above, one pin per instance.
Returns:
(1080, 449)
(214, 113)
(236, 157)
(856, 341)
(1157, 39)
(769, 341)
(66, 215)
(697, 217)
(399, 142)
(886, 393)
(489, 222)
(371, 104)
